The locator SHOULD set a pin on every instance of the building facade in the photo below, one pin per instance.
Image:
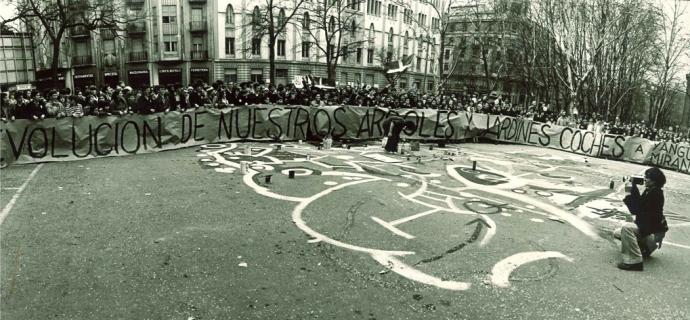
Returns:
(17, 69)
(181, 42)
(480, 40)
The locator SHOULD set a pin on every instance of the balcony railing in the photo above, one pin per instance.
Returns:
(79, 31)
(138, 56)
(197, 26)
(197, 1)
(82, 60)
(108, 34)
(169, 28)
(136, 28)
(135, 2)
(199, 55)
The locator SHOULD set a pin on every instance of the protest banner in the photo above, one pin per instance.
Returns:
(27, 141)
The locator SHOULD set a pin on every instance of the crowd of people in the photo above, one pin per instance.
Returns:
(123, 99)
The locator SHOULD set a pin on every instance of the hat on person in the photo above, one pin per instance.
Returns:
(127, 88)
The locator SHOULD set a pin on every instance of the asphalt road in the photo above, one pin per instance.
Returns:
(186, 235)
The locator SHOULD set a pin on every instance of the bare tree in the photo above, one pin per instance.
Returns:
(443, 13)
(672, 43)
(335, 29)
(271, 19)
(54, 19)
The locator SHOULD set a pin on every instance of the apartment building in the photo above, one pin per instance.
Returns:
(16, 61)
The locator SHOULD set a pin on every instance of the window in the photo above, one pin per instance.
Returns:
(257, 75)
(229, 45)
(170, 46)
(169, 14)
(392, 11)
(230, 75)
(305, 21)
(447, 54)
(305, 49)
(421, 19)
(256, 17)
(370, 56)
(389, 53)
(434, 23)
(197, 14)
(419, 63)
(229, 15)
(359, 55)
(281, 18)
(280, 47)
(256, 46)
(331, 49)
(331, 24)
(353, 27)
(282, 73)
(197, 44)
(407, 18)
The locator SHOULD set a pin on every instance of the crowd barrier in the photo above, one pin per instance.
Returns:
(66, 139)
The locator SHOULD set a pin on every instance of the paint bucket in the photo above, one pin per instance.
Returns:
(474, 165)
(611, 185)
(299, 141)
(291, 174)
(244, 167)
(278, 147)
(267, 178)
(308, 157)
(431, 147)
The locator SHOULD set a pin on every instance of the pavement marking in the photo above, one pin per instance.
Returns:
(573, 220)
(10, 188)
(682, 224)
(412, 217)
(676, 245)
(392, 228)
(411, 273)
(490, 231)
(8, 207)
(501, 271)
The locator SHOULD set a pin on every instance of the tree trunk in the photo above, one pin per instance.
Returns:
(271, 58)
(54, 64)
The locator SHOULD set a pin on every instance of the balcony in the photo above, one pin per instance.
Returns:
(79, 31)
(199, 55)
(138, 56)
(169, 28)
(136, 28)
(135, 2)
(197, 1)
(197, 26)
(82, 60)
(108, 34)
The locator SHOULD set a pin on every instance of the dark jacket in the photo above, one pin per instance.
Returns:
(648, 209)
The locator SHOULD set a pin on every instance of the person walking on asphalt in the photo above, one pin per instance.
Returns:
(640, 239)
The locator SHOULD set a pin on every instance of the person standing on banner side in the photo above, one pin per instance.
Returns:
(640, 239)
(392, 127)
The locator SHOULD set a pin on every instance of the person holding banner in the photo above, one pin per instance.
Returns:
(640, 239)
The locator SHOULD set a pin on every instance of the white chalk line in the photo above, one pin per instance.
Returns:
(411, 273)
(412, 217)
(501, 271)
(8, 207)
(573, 220)
(490, 231)
(676, 245)
(392, 228)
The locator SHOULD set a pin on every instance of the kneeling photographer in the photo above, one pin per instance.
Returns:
(641, 238)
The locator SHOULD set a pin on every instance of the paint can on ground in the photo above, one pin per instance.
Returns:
(267, 178)
(299, 141)
(431, 147)
(308, 157)
(441, 144)
(474, 165)
(291, 174)
(611, 185)
(244, 166)
(278, 147)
